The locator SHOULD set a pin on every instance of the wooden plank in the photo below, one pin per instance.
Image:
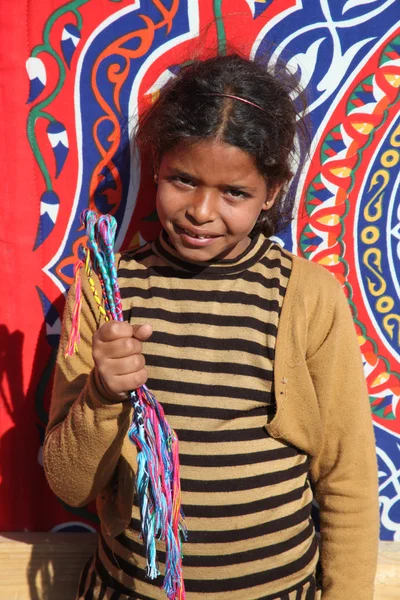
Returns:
(46, 566)
(388, 574)
(42, 566)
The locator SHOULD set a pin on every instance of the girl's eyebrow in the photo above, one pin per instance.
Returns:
(230, 186)
(182, 174)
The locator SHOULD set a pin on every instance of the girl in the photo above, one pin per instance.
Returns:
(252, 353)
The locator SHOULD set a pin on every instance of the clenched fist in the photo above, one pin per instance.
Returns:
(117, 354)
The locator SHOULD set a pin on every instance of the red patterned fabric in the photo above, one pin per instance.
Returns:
(73, 76)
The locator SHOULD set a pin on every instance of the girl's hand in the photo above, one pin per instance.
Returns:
(117, 355)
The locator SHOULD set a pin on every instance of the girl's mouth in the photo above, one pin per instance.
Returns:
(194, 238)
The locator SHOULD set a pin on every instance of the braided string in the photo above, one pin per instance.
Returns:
(88, 270)
(89, 219)
(158, 480)
(107, 226)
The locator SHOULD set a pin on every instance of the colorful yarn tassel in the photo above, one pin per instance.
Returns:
(157, 482)
(75, 336)
(158, 488)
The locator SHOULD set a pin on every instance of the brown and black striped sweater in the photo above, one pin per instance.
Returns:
(244, 469)
(246, 496)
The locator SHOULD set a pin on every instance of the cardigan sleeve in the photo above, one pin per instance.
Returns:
(344, 473)
(86, 426)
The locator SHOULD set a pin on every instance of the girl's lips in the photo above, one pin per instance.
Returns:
(190, 238)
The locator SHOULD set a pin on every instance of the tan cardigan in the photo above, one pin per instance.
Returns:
(322, 408)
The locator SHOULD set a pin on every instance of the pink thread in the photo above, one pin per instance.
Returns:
(235, 98)
(74, 336)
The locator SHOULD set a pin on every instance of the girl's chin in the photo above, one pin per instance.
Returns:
(197, 253)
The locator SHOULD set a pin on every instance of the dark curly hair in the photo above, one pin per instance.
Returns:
(188, 111)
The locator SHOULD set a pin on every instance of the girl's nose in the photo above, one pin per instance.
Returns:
(203, 205)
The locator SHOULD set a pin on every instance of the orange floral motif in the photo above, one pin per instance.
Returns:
(340, 173)
(72, 259)
(118, 75)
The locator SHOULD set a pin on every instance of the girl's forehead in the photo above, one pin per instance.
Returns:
(210, 159)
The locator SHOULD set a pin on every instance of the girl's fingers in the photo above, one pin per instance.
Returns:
(122, 366)
(113, 330)
(142, 332)
(122, 384)
(120, 348)
(117, 354)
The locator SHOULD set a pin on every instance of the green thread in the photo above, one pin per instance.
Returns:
(37, 154)
(221, 36)
(46, 115)
(36, 111)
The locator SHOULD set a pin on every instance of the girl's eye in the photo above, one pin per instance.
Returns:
(235, 193)
(183, 180)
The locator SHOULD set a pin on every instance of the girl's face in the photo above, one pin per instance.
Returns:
(209, 198)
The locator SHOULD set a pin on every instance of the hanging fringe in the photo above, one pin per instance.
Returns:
(158, 480)
(74, 335)
(158, 489)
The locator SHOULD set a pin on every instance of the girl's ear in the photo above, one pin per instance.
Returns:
(272, 195)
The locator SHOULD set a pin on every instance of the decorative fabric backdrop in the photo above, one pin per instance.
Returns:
(73, 78)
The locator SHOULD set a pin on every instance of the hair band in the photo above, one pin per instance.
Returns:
(235, 98)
